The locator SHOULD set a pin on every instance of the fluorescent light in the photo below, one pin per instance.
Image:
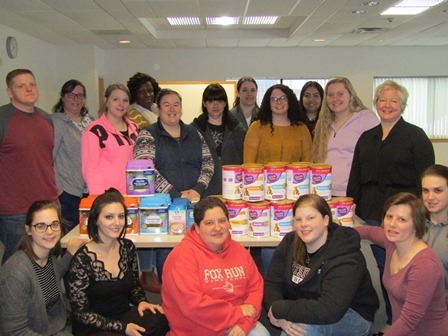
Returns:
(124, 42)
(222, 20)
(411, 7)
(260, 20)
(184, 21)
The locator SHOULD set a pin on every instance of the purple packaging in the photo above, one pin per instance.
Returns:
(140, 178)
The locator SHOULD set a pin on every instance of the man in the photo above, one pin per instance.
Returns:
(26, 156)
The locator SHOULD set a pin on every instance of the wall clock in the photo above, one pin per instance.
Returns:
(12, 47)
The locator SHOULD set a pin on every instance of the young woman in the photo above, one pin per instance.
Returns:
(278, 135)
(413, 274)
(245, 107)
(31, 293)
(211, 285)
(103, 278)
(342, 120)
(223, 133)
(318, 282)
(435, 198)
(311, 98)
(143, 89)
(107, 143)
(70, 119)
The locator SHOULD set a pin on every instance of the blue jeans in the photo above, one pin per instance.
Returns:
(69, 209)
(258, 330)
(380, 256)
(146, 259)
(11, 230)
(351, 324)
(266, 256)
(161, 255)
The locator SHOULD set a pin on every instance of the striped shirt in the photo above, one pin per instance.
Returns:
(47, 282)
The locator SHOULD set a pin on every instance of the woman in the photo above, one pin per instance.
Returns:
(182, 159)
(342, 120)
(310, 103)
(245, 107)
(70, 119)
(223, 133)
(103, 278)
(211, 285)
(143, 89)
(413, 276)
(388, 159)
(318, 282)
(435, 198)
(278, 135)
(107, 143)
(31, 293)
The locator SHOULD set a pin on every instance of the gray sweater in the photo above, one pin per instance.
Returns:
(22, 304)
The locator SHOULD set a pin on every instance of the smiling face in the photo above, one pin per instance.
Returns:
(111, 221)
(74, 100)
(248, 94)
(214, 229)
(279, 102)
(43, 242)
(311, 227)
(398, 224)
(435, 196)
(312, 100)
(389, 107)
(338, 98)
(117, 104)
(23, 92)
(145, 95)
(170, 110)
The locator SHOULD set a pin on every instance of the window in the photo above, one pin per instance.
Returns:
(427, 103)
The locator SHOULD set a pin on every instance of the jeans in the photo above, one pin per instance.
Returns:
(258, 330)
(161, 255)
(11, 230)
(380, 256)
(146, 259)
(266, 256)
(351, 324)
(69, 209)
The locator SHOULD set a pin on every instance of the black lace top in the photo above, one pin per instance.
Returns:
(99, 300)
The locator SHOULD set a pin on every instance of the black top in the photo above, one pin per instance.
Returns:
(381, 169)
(322, 291)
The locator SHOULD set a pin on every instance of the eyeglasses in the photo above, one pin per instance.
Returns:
(42, 227)
(279, 99)
(74, 95)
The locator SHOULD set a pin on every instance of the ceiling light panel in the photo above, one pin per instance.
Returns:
(260, 20)
(222, 20)
(184, 21)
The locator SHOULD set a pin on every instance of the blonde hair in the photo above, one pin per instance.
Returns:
(402, 93)
(327, 116)
(111, 88)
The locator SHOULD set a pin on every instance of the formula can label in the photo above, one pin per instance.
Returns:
(321, 180)
(238, 217)
(281, 218)
(232, 182)
(259, 219)
(333, 204)
(297, 180)
(253, 182)
(345, 211)
(275, 182)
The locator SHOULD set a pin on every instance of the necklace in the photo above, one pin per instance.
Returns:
(310, 256)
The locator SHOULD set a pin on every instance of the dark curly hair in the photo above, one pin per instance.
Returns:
(265, 112)
(138, 80)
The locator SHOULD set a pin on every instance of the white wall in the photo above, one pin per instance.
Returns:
(54, 65)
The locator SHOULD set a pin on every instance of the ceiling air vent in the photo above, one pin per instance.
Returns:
(369, 30)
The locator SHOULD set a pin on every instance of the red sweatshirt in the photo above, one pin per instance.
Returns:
(203, 290)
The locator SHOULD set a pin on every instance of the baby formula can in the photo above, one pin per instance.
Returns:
(275, 181)
(232, 182)
(281, 217)
(333, 204)
(238, 217)
(345, 211)
(253, 182)
(321, 180)
(297, 180)
(259, 219)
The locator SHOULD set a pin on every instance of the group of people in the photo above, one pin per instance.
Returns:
(316, 280)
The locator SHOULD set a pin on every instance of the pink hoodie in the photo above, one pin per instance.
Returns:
(104, 155)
